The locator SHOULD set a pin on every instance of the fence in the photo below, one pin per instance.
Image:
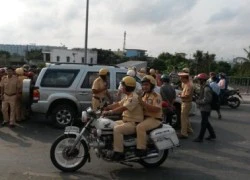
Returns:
(241, 83)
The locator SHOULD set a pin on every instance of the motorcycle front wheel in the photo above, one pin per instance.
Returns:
(155, 162)
(64, 157)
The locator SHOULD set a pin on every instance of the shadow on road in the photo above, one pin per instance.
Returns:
(159, 173)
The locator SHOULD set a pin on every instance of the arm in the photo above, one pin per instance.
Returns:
(207, 97)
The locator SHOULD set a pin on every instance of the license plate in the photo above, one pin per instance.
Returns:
(72, 129)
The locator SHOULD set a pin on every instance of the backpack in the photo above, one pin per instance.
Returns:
(215, 103)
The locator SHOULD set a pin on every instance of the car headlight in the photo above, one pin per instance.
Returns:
(84, 116)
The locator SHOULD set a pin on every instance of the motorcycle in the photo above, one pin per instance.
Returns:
(71, 150)
(231, 98)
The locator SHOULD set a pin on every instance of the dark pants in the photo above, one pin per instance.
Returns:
(205, 124)
(168, 118)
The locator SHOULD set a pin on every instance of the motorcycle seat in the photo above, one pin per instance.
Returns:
(148, 132)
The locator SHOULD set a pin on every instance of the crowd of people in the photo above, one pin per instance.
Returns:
(11, 81)
(145, 106)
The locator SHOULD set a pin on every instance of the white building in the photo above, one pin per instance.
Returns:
(69, 56)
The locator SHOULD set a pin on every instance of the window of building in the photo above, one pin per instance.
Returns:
(82, 59)
(58, 58)
(68, 59)
(91, 60)
(59, 78)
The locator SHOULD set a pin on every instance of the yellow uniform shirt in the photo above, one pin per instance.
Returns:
(153, 99)
(11, 86)
(134, 110)
(188, 92)
(99, 84)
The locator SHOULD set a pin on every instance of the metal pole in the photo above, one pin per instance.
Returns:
(86, 32)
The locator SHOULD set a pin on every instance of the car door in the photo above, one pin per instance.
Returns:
(84, 89)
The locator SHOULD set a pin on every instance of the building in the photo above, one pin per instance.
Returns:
(135, 53)
(69, 56)
(22, 49)
(137, 64)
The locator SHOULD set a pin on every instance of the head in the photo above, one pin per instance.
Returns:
(148, 83)
(222, 76)
(128, 84)
(185, 70)
(19, 71)
(184, 77)
(202, 77)
(10, 71)
(165, 78)
(2, 71)
(212, 74)
(103, 73)
(131, 73)
(26, 67)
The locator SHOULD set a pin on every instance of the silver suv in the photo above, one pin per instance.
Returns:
(63, 91)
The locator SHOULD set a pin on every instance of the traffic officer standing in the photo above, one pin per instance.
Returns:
(10, 90)
(20, 110)
(132, 113)
(100, 89)
(186, 105)
(152, 106)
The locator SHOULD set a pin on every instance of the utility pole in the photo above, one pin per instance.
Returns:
(124, 42)
(86, 31)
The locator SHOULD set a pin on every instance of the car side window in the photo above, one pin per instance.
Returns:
(59, 78)
(119, 77)
(89, 79)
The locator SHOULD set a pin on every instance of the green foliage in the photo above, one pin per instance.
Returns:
(107, 57)
(35, 54)
(4, 54)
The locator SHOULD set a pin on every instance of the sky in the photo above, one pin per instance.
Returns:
(216, 26)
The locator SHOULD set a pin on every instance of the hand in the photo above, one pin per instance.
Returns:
(106, 113)
(140, 99)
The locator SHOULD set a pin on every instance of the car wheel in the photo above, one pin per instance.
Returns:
(63, 115)
(26, 91)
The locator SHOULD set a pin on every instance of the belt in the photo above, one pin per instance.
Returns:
(10, 94)
(100, 99)
(159, 119)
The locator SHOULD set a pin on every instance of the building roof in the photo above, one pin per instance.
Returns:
(137, 49)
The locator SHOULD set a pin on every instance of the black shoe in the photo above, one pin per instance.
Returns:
(209, 138)
(198, 140)
(140, 152)
(118, 156)
(4, 123)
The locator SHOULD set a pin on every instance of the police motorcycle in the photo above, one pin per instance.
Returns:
(71, 150)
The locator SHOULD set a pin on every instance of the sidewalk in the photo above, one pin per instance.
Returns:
(245, 98)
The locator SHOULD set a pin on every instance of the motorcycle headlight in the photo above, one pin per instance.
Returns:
(84, 116)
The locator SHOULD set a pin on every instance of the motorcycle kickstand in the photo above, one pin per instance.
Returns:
(126, 164)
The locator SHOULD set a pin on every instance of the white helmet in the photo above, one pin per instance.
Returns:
(131, 73)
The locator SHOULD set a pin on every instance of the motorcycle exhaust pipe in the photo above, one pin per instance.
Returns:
(151, 155)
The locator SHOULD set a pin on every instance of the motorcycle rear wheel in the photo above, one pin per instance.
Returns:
(233, 102)
(62, 158)
(155, 162)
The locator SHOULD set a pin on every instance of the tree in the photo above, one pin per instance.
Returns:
(34, 54)
(248, 53)
(4, 57)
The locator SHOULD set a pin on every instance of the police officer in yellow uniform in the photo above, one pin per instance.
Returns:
(20, 110)
(186, 105)
(100, 89)
(132, 114)
(152, 106)
(10, 90)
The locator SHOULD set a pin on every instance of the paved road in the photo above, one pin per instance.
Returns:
(24, 154)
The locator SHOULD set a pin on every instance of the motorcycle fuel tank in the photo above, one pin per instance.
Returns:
(104, 123)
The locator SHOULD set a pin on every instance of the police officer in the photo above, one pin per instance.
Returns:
(100, 89)
(20, 110)
(132, 114)
(151, 103)
(186, 104)
(10, 90)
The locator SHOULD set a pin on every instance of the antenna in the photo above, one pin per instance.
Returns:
(124, 41)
